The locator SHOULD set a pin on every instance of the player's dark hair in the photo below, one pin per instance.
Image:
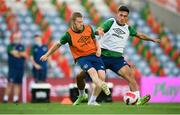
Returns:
(124, 8)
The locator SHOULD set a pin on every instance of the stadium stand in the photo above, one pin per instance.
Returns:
(51, 19)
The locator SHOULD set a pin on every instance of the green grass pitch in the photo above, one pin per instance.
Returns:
(105, 108)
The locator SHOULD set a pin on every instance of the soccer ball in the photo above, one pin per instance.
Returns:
(130, 98)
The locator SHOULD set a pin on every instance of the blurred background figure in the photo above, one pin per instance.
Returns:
(16, 59)
(39, 68)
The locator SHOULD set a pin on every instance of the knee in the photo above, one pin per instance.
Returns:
(102, 75)
(92, 71)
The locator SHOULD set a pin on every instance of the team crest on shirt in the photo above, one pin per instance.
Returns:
(20, 48)
(44, 48)
(36, 50)
(118, 32)
(84, 40)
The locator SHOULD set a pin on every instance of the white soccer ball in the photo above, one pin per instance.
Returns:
(130, 98)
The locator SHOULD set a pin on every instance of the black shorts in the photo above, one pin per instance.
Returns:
(40, 75)
(15, 75)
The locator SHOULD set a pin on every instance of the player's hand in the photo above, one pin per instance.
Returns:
(100, 31)
(44, 58)
(98, 52)
(15, 53)
(23, 54)
(37, 66)
(156, 40)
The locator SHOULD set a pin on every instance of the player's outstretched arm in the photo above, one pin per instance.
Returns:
(50, 51)
(145, 37)
(98, 52)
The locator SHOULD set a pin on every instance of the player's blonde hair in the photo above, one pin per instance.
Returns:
(75, 15)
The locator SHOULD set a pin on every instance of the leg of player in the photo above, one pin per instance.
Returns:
(16, 93)
(95, 78)
(7, 92)
(96, 90)
(99, 83)
(81, 88)
(126, 73)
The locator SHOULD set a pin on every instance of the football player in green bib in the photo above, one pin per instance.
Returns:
(114, 34)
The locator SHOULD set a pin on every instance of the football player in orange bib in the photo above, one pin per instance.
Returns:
(85, 50)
